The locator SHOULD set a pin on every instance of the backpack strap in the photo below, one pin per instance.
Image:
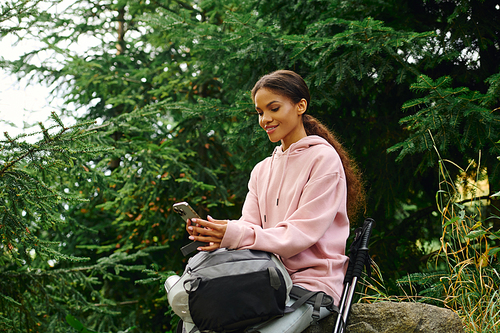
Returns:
(191, 247)
(317, 299)
(180, 327)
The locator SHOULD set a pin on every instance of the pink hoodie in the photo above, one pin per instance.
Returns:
(296, 208)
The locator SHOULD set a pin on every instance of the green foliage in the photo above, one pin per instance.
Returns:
(168, 84)
(77, 325)
(66, 292)
(457, 117)
(32, 205)
(20, 11)
(29, 201)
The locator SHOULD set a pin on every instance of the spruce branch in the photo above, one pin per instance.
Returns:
(24, 176)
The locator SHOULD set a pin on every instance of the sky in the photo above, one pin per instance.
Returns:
(20, 102)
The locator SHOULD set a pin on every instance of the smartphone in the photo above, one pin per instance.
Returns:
(186, 212)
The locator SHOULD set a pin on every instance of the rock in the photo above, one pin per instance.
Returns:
(392, 317)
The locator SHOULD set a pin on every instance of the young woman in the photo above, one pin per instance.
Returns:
(299, 198)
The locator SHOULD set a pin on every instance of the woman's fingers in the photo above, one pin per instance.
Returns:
(210, 247)
(212, 224)
(189, 227)
(219, 222)
(207, 236)
(211, 243)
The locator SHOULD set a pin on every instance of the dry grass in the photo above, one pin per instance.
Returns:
(464, 272)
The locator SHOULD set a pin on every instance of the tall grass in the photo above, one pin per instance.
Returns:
(470, 282)
(464, 273)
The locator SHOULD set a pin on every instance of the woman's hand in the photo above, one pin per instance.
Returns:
(211, 232)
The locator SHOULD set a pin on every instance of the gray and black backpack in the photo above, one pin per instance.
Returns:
(228, 290)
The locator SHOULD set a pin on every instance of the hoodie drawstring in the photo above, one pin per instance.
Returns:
(268, 182)
(282, 176)
(281, 181)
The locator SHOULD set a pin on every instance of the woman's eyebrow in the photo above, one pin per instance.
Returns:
(256, 107)
(268, 104)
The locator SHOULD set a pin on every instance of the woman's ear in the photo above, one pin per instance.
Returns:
(301, 106)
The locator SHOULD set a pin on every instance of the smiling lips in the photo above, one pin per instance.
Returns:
(270, 129)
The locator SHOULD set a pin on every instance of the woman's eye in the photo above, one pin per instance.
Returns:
(275, 109)
(260, 113)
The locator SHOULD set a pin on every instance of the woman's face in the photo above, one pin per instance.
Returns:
(280, 117)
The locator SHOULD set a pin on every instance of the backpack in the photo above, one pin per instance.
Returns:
(228, 290)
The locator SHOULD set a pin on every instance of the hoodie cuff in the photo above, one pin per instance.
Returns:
(232, 237)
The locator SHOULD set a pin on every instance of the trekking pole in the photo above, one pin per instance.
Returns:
(358, 258)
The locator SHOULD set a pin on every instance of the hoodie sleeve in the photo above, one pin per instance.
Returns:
(322, 198)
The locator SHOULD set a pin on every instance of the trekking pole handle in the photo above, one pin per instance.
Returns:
(362, 238)
(363, 248)
(368, 226)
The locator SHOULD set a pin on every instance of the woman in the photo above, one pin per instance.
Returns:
(299, 198)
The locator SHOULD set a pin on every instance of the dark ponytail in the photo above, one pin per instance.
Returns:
(291, 85)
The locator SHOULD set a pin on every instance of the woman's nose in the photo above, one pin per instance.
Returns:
(266, 117)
